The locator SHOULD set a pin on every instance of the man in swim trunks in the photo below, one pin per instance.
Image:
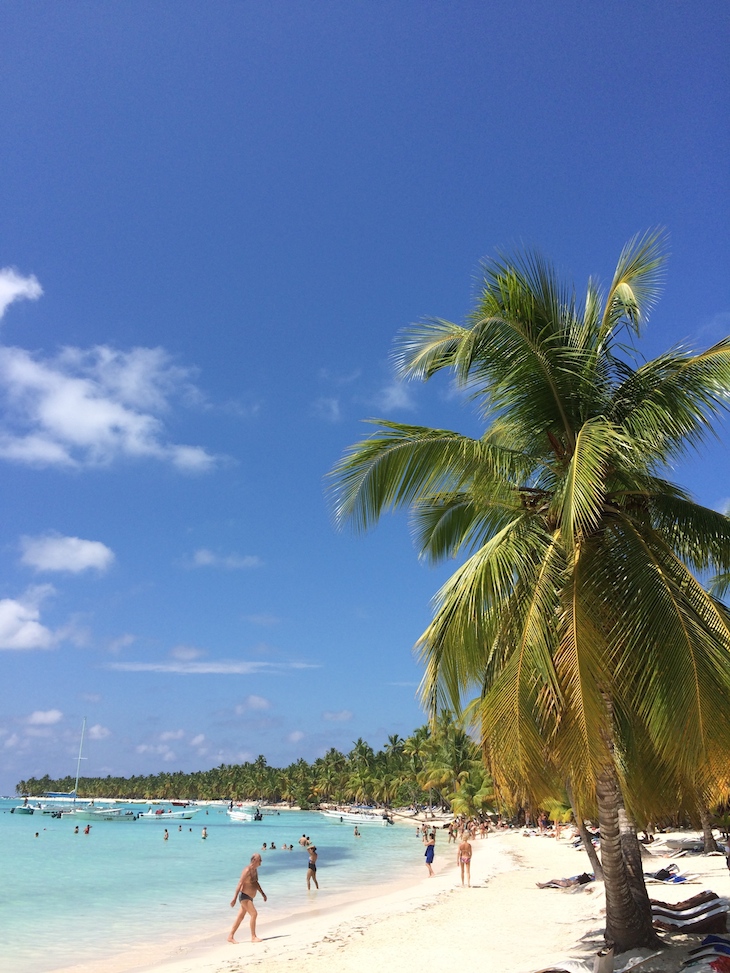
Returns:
(463, 859)
(312, 866)
(248, 886)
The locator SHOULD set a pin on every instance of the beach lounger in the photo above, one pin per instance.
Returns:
(705, 912)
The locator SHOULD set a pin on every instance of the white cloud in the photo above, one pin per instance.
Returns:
(172, 735)
(295, 737)
(44, 717)
(221, 668)
(121, 642)
(198, 740)
(20, 627)
(253, 703)
(52, 552)
(203, 558)
(89, 407)
(186, 652)
(342, 716)
(12, 741)
(394, 396)
(161, 750)
(327, 408)
(13, 287)
(98, 732)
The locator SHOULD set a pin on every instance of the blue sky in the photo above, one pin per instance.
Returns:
(214, 219)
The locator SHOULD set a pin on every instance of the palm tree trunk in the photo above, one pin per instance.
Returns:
(709, 838)
(628, 915)
(590, 848)
(586, 836)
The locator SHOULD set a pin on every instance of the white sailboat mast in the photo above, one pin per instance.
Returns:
(78, 762)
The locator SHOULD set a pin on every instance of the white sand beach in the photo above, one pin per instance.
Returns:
(503, 923)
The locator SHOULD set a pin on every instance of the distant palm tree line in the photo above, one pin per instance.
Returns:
(440, 764)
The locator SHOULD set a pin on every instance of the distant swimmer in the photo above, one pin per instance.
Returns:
(356, 832)
(165, 835)
(463, 859)
(312, 867)
(248, 886)
(204, 833)
(304, 841)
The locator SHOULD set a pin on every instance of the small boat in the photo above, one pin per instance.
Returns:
(359, 816)
(23, 809)
(100, 814)
(162, 815)
(240, 814)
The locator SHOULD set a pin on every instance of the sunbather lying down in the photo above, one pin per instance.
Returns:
(566, 883)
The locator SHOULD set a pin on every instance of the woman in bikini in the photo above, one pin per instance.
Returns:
(312, 867)
(463, 858)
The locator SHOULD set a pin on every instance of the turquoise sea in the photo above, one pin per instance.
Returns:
(69, 898)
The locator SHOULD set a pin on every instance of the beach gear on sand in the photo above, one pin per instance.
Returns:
(702, 913)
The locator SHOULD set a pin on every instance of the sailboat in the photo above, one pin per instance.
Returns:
(88, 812)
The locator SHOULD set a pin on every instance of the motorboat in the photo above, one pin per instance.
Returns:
(167, 814)
(100, 814)
(241, 814)
(354, 815)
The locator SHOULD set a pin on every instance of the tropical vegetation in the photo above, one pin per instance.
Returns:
(438, 765)
(577, 631)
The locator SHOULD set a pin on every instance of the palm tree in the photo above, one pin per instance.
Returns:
(576, 611)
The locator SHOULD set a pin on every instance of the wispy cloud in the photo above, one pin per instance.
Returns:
(327, 408)
(98, 732)
(222, 668)
(394, 396)
(252, 703)
(90, 407)
(172, 735)
(341, 716)
(20, 628)
(161, 750)
(186, 653)
(52, 552)
(205, 558)
(295, 736)
(44, 717)
(15, 287)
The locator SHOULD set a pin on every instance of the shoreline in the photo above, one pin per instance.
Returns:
(502, 923)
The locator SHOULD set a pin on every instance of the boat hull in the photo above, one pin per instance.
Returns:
(358, 817)
(162, 816)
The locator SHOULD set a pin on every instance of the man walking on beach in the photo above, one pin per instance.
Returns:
(248, 886)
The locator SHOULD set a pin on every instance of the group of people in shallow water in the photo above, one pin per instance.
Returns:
(248, 885)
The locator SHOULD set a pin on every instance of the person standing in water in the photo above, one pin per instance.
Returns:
(248, 886)
(312, 867)
(429, 841)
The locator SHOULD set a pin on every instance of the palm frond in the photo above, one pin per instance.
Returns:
(401, 464)
(636, 283)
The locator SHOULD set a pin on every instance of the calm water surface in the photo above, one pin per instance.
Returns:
(67, 898)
